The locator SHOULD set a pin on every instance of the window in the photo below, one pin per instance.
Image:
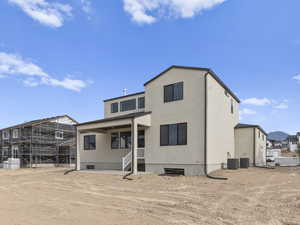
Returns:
(232, 108)
(5, 135)
(173, 134)
(226, 93)
(15, 133)
(173, 92)
(128, 105)
(59, 135)
(115, 140)
(141, 139)
(114, 107)
(125, 139)
(90, 142)
(259, 134)
(141, 102)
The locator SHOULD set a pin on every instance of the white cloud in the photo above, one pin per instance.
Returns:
(48, 13)
(32, 75)
(257, 101)
(246, 111)
(282, 105)
(86, 6)
(297, 77)
(148, 11)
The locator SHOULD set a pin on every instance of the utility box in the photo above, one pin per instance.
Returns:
(244, 163)
(233, 164)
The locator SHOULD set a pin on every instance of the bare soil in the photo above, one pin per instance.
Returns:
(250, 197)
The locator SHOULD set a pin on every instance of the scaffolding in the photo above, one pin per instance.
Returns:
(41, 143)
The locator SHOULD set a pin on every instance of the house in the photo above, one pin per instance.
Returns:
(183, 122)
(251, 142)
(293, 141)
(43, 142)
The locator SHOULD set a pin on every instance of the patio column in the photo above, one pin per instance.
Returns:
(78, 151)
(134, 146)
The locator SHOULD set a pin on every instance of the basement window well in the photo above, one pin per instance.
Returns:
(174, 171)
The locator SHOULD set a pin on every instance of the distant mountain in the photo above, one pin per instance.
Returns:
(278, 136)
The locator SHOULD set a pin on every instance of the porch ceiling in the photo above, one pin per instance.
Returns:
(101, 126)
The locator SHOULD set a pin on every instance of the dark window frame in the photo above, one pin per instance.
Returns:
(88, 144)
(127, 143)
(117, 138)
(166, 134)
(174, 92)
(124, 107)
(114, 107)
(141, 102)
(141, 141)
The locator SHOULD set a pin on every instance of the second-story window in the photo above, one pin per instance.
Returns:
(59, 135)
(173, 92)
(15, 133)
(114, 107)
(128, 105)
(232, 107)
(141, 102)
(5, 135)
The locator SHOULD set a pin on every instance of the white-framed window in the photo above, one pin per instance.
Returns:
(5, 135)
(15, 133)
(59, 135)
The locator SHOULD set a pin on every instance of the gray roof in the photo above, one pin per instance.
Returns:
(124, 96)
(127, 116)
(243, 125)
(37, 122)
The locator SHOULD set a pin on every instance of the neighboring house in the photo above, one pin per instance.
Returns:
(251, 142)
(183, 122)
(274, 153)
(284, 145)
(293, 141)
(49, 141)
(269, 144)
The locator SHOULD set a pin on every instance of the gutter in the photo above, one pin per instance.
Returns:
(205, 133)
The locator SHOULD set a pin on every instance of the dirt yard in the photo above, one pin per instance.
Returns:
(249, 197)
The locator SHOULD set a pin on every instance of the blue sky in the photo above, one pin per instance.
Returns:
(65, 57)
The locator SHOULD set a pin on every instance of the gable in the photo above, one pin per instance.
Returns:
(204, 70)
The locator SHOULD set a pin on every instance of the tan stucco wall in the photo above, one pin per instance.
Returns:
(190, 110)
(261, 148)
(220, 124)
(103, 152)
(244, 145)
(244, 142)
(107, 106)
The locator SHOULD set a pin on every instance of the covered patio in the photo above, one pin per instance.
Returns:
(134, 121)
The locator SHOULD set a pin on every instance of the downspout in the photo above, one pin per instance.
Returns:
(254, 147)
(205, 133)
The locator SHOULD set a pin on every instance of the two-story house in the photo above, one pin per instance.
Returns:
(38, 143)
(184, 121)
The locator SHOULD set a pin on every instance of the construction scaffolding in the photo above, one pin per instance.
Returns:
(40, 143)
